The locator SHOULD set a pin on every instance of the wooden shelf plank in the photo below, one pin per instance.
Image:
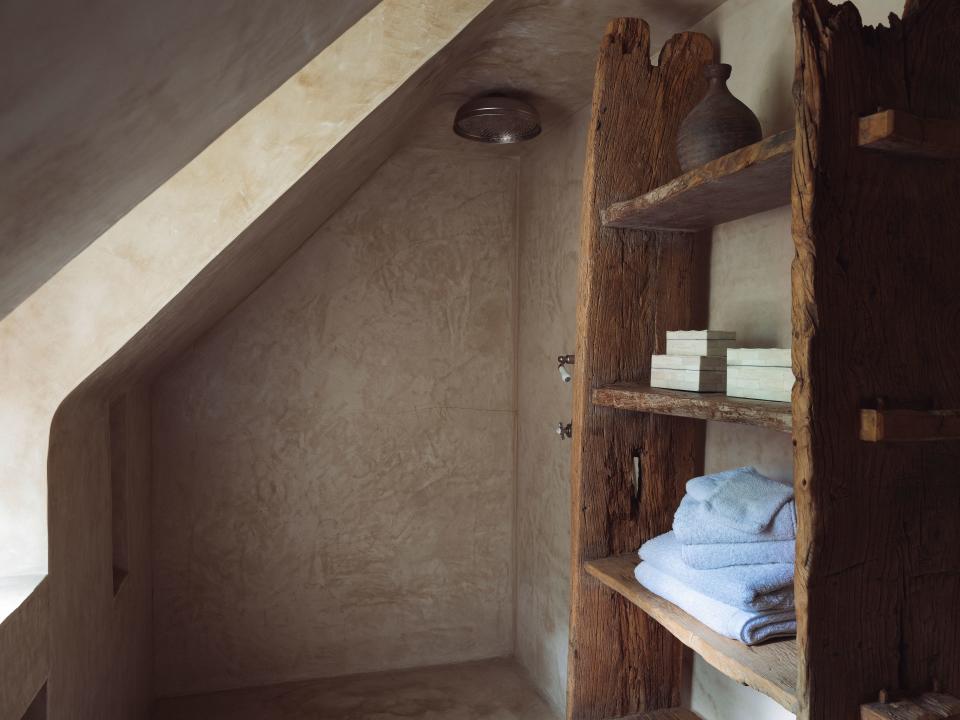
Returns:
(901, 133)
(771, 668)
(672, 714)
(747, 181)
(757, 177)
(909, 425)
(703, 406)
(925, 707)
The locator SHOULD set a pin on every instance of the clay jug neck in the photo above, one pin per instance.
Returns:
(716, 76)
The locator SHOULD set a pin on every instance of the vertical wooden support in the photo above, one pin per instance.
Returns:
(634, 286)
(876, 314)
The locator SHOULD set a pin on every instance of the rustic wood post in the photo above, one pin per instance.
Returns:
(634, 286)
(876, 313)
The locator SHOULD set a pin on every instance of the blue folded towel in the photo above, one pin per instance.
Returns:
(745, 626)
(695, 523)
(718, 555)
(747, 587)
(742, 499)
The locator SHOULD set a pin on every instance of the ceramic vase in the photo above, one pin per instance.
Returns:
(717, 125)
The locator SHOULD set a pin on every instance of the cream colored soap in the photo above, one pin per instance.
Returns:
(763, 357)
(712, 348)
(689, 362)
(701, 335)
(691, 380)
(760, 383)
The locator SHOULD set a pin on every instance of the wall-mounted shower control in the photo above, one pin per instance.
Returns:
(565, 431)
(562, 362)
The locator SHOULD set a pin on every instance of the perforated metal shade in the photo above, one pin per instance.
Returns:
(497, 119)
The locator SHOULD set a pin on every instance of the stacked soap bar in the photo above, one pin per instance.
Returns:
(708, 343)
(695, 361)
(759, 373)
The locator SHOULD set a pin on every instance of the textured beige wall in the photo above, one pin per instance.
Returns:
(550, 180)
(103, 100)
(160, 276)
(25, 653)
(100, 644)
(334, 460)
(187, 253)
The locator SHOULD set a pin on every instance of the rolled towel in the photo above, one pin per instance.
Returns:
(719, 555)
(747, 587)
(696, 524)
(747, 627)
(742, 499)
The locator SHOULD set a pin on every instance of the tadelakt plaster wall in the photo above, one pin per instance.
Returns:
(550, 182)
(333, 461)
(212, 232)
(100, 641)
(103, 100)
(132, 299)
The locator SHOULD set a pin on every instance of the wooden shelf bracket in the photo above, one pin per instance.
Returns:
(909, 425)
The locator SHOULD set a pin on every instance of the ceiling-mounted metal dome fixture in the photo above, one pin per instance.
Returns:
(497, 119)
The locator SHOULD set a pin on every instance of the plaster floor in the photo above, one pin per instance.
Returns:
(485, 690)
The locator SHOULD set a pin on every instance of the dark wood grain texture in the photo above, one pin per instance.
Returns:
(770, 668)
(639, 397)
(633, 287)
(745, 182)
(898, 132)
(875, 312)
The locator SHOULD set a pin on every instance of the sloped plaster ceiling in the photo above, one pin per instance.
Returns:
(211, 233)
(544, 51)
(103, 100)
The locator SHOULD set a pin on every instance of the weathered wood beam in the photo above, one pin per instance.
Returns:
(634, 286)
(874, 311)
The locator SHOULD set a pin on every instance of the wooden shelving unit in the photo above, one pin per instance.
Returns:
(875, 219)
(770, 668)
(702, 406)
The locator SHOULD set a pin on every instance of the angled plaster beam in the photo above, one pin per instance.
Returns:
(212, 233)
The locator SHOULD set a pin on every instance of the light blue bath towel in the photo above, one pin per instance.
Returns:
(745, 626)
(742, 499)
(695, 523)
(747, 587)
(718, 555)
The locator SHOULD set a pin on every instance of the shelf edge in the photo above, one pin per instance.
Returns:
(699, 406)
(699, 638)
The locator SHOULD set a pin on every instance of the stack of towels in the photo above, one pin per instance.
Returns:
(730, 558)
